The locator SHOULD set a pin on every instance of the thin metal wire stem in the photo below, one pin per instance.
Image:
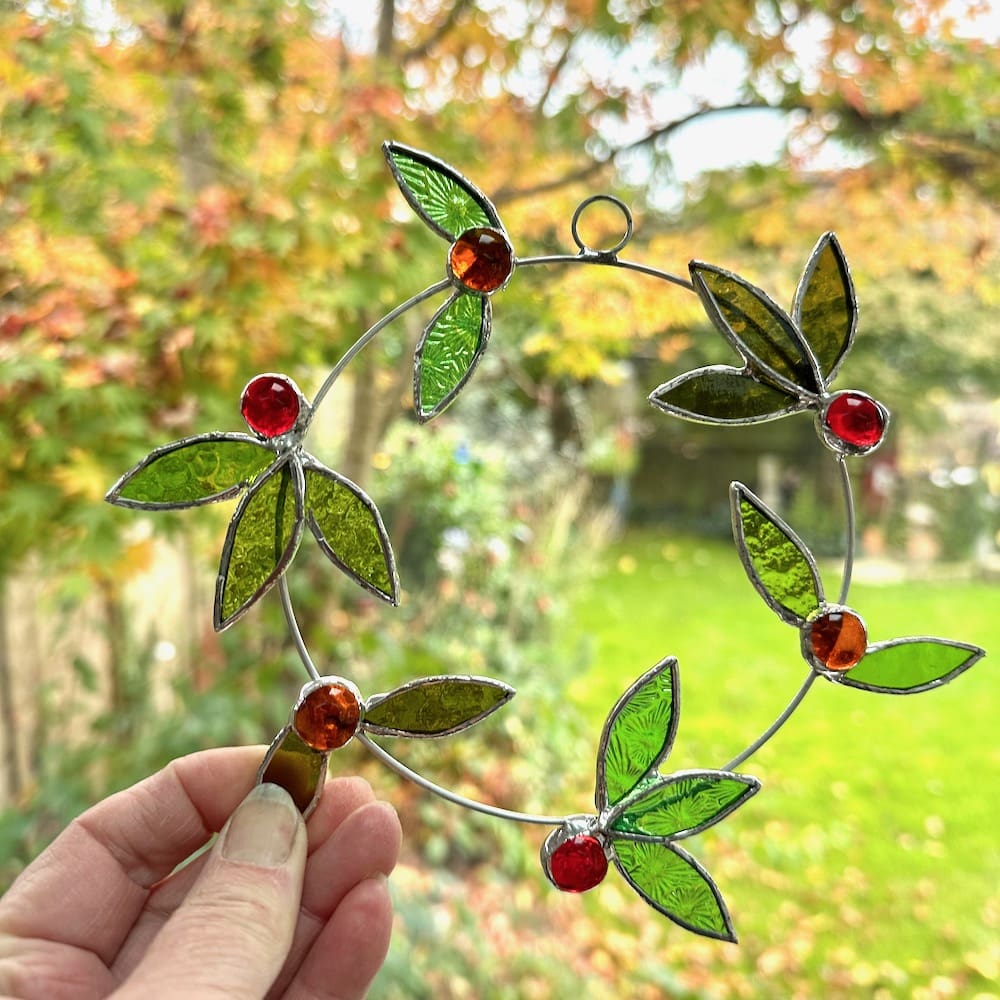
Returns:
(608, 260)
(365, 339)
(774, 727)
(294, 631)
(459, 800)
(845, 478)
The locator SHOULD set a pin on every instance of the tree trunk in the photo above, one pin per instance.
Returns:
(8, 712)
(386, 29)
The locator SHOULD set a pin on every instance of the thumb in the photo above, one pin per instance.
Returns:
(231, 935)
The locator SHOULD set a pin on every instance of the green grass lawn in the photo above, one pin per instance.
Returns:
(868, 865)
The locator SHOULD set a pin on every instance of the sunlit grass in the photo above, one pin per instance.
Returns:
(869, 860)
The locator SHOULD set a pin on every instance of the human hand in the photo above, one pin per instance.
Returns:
(276, 908)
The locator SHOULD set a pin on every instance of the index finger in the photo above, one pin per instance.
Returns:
(87, 889)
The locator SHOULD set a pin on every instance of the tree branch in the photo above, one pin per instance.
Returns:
(596, 166)
(555, 73)
(449, 22)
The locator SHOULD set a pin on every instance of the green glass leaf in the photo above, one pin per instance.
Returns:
(438, 193)
(350, 531)
(296, 767)
(435, 706)
(448, 352)
(779, 565)
(192, 471)
(684, 804)
(757, 327)
(638, 733)
(673, 883)
(720, 394)
(260, 543)
(826, 309)
(910, 665)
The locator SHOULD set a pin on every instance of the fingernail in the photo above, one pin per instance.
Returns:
(262, 830)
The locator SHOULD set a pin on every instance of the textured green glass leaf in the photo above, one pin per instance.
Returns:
(638, 733)
(911, 665)
(756, 326)
(350, 531)
(296, 767)
(449, 351)
(826, 309)
(438, 193)
(262, 538)
(673, 883)
(684, 804)
(435, 706)
(778, 564)
(193, 471)
(720, 394)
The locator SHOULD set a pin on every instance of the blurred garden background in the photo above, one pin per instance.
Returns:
(194, 192)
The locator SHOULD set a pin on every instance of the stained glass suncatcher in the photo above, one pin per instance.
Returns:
(788, 362)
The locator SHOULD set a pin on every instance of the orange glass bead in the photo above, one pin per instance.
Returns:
(327, 717)
(481, 259)
(838, 639)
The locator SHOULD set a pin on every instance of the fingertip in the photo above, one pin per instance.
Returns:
(341, 797)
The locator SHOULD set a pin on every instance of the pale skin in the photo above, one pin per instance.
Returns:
(276, 908)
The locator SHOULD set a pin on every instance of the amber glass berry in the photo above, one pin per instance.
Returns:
(327, 717)
(481, 259)
(838, 639)
(270, 405)
(578, 863)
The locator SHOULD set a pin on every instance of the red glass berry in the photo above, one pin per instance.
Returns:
(481, 259)
(578, 863)
(838, 639)
(856, 420)
(328, 716)
(270, 405)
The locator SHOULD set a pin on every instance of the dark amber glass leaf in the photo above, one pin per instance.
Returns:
(435, 706)
(193, 471)
(448, 202)
(260, 543)
(720, 394)
(674, 884)
(639, 733)
(296, 767)
(757, 327)
(779, 565)
(350, 531)
(826, 309)
(683, 804)
(449, 351)
(910, 665)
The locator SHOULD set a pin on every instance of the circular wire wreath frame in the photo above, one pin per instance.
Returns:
(788, 363)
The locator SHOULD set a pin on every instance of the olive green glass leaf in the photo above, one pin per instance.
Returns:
(720, 394)
(260, 543)
(638, 733)
(826, 309)
(296, 767)
(435, 706)
(438, 193)
(193, 471)
(910, 665)
(350, 531)
(449, 351)
(759, 329)
(779, 565)
(683, 804)
(673, 883)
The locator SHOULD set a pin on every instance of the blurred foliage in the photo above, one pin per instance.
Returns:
(192, 192)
